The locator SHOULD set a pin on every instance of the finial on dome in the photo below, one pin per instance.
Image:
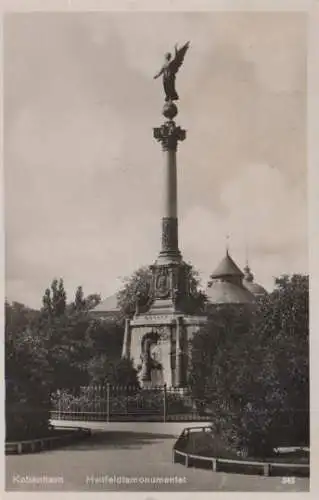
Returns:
(227, 244)
(248, 275)
(246, 254)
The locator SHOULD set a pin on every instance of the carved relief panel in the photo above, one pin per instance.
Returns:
(162, 283)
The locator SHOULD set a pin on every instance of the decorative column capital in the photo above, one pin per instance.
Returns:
(169, 134)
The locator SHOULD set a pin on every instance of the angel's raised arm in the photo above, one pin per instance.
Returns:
(159, 73)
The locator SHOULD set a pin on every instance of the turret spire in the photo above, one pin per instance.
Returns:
(227, 243)
(249, 277)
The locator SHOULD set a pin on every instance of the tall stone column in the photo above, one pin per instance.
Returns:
(168, 135)
(169, 271)
(127, 340)
(169, 220)
(170, 185)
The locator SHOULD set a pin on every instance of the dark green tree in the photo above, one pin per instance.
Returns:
(54, 299)
(105, 339)
(282, 324)
(59, 347)
(92, 300)
(136, 288)
(26, 373)
(79, 301)
(47, 302)
(213, 352)
(255, 376)
(115, 371)
(75, 339)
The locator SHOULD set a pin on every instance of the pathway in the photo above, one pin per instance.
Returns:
(129, 454)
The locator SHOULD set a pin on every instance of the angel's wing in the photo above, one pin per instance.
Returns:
(179, 58)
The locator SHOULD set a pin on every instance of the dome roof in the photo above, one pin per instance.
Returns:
(248, 283)
(226, 285)
(227, 267)
(254, 288)
(224, 292)
(108, 305)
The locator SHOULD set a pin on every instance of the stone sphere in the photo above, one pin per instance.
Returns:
(170, 110)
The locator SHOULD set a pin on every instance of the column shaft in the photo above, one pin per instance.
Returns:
(169, 219)
(127, 340)
(170, 185)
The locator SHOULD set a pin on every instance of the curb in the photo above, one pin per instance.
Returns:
(264, 468)
(41, 444)
(239, 466)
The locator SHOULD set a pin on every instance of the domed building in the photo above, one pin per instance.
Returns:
(248, 282)
(107, 309)
(226, 285)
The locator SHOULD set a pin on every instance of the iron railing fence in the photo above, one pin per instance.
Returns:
(118, 403)
(130, 403)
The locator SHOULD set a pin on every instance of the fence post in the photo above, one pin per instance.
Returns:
(126, 399)
(214, 465)
(59, 404)
(266, 469)
(165, 403)
(107, 402)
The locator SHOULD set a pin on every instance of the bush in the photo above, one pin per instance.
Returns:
(254, 376)
(116, 371)
(26, 367)
(24, 422)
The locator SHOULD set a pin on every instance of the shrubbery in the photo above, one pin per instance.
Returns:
(26, 374)
(59, 346)
(252, 371)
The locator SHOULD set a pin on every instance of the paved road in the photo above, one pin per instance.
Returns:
(129, 452)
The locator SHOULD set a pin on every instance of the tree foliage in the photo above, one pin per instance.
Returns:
(26, 374)
(82, 303)
(115, 371)
(136, 289)
(77, 342)
(56, 347)
(105, 339)
(254, 374)
(212, 350)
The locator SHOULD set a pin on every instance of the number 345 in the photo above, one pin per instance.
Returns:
(288, 480)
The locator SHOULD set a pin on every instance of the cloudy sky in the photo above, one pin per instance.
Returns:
(83, 173)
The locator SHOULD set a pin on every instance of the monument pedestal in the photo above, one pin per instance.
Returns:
(167, 337)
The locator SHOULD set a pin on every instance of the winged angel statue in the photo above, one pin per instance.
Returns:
(169, 70)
